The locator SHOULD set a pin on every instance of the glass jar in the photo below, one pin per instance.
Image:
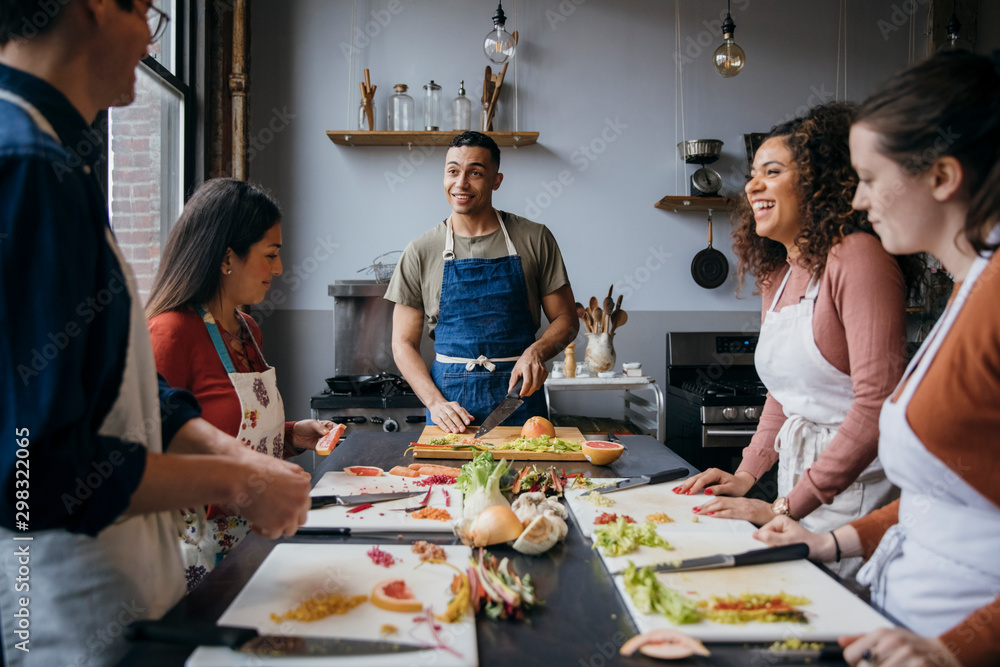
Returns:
(400, 117)
(461, 110)
(366, 122)
(432, 107)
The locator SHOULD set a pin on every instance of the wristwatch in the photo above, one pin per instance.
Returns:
(780, 506)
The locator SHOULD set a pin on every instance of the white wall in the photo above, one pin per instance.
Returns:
(589, 73)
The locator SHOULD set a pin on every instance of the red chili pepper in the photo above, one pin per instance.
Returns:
(447, 498)
(357, 509)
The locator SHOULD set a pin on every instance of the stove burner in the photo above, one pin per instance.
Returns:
(725, 388)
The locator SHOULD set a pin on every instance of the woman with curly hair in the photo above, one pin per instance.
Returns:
(832, 337)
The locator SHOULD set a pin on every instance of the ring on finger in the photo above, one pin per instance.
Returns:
(870, 656)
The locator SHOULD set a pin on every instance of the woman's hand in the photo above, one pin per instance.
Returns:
(755, 511)
(306, 433)
(782, 530)
(717, 482)
(897, 646)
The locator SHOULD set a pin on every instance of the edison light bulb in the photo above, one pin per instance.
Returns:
(729, 58)
(499, 44)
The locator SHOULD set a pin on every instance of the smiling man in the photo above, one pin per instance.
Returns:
(479, 280)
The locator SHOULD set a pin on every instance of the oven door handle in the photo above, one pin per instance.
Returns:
(729, 433)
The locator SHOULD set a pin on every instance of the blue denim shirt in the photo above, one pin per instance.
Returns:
(64, 324)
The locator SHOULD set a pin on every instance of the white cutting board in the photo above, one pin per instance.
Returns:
(381, 517)
(834, 611)
(640, 501)
(292, 573)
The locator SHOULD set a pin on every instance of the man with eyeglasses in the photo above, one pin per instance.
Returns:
(96, 452)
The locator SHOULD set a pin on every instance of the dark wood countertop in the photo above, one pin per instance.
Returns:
(582, 623)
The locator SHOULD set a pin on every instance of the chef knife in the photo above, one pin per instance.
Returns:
(788, 552)
(248, 640)
(505, 409)
(655, 478)
(347, 501)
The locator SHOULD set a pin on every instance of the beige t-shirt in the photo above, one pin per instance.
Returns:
(417, 279)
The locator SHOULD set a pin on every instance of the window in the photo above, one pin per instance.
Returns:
(147, 144)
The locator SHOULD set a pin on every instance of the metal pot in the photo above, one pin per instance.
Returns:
(700, 151)
(709, 268)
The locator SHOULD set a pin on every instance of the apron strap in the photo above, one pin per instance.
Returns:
(781, 289)
(254, 340)
(449, 239)
(41, 121)
(213, 333)
(482, 360)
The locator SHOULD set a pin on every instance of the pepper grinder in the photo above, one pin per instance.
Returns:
(570, 369)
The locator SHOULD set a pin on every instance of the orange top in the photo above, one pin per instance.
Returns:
(955, 412)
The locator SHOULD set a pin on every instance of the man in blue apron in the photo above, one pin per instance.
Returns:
(86, 477)
(480, 280)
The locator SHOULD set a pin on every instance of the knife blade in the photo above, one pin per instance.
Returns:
(655, 478)
(248, 640)
(787, 552)
(506, 408)
(347, 501)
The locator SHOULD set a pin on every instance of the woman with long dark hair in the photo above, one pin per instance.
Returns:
(832, 337)
(927, 151)
(223, 254)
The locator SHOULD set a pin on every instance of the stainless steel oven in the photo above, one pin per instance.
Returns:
(713, 396)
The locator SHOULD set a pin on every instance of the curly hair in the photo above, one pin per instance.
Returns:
(826, 184)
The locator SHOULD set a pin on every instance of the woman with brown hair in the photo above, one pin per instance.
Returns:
(832, 337)
(927, 151)
(223, 254)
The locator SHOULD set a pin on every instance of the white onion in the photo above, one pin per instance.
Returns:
(494, 525)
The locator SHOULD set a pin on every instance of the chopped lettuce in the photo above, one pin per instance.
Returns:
(620, 537)
(651, 596)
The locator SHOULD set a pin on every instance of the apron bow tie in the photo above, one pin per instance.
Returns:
(483, 361)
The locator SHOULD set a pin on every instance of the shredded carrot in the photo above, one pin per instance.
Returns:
(432, 513)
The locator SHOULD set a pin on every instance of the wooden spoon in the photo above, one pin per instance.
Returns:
(581, 312)
(599, 318)
(620, 317)
(609, 307)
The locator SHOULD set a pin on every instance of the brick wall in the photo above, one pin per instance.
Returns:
(136, 139)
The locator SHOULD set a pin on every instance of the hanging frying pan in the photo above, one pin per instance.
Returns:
(709, 268)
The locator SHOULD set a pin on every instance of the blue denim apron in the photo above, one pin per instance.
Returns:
(484, 324)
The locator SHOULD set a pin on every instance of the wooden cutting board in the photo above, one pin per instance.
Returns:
(498, 436)
(292, 573)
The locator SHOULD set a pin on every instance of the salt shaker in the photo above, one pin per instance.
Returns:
(570, 365)
(432, 107)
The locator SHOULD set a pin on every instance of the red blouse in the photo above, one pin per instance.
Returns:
(186, 357)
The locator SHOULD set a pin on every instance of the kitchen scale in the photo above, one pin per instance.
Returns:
(705, 182)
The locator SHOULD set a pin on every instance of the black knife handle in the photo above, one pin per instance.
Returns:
(516, 391)
(795, 551)
(668, 475)
(317, 502)
(189, 633)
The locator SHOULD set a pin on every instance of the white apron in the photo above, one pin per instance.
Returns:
(85, 590)
(206, 541)
(941, 562)
(816, 398)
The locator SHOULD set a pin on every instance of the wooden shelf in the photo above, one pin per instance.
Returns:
(379, 138)
(680, 204)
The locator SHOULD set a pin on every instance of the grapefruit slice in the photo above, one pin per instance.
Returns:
(330, 440)
(600, 452)
(395, 595)
(364, 471)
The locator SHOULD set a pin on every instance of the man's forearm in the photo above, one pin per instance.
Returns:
(560, 333)
(411, 365)
(206, 480)
(198, 436)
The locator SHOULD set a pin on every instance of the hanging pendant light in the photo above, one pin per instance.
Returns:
(499, 44)
(729, 58)
(953, 29)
